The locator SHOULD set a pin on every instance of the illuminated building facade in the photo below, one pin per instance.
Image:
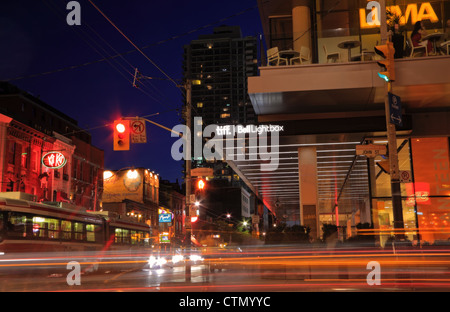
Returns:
(219, 65)
(29, 130)
(172, 199)
(222, 62)
(330, 100)
(132, 192)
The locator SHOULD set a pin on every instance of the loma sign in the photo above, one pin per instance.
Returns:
(413, 11)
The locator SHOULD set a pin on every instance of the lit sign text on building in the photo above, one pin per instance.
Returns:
(54, 160)
(165, 218)
(414, 12)
(240, 129)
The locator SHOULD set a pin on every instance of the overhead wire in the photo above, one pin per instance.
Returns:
(96, 46)
(180, 88)
(84, 35)
(113, 57)
(133, 44)
(130, 51)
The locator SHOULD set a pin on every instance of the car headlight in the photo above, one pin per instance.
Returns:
(153, 261)
(177, 258)
(196, 258)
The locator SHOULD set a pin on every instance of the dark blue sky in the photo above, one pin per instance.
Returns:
(36, 39)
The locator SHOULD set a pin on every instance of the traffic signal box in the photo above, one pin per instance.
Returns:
(387, 52)
(121, 135)
(201, 185)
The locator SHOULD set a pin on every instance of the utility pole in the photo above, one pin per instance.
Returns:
(188, 180)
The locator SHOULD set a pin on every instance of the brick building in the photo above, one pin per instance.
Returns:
(29, 130)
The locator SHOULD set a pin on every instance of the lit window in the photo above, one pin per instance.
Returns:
(224, 115)
(200, 104)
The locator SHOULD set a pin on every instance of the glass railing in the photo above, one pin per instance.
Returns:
(343, 45)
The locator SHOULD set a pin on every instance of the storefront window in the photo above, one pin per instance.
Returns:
(431, 191)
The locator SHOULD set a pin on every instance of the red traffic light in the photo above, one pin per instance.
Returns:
(121, 136)
(120, 127)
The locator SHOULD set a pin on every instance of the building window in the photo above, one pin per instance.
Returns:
(66, 172)
(81, 171)
(74, 172)
(11, 152)
(24, 157)
(34, 161)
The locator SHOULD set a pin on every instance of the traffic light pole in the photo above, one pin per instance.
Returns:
(188, 181)
(394, 168)
(392, 141)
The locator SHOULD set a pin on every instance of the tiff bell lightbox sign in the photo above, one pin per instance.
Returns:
(241, 129)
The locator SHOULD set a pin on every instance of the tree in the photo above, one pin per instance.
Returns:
(288, 234)
(328, 230)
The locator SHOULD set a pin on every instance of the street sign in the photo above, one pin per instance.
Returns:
(371, 150)
(202, 172)
(405, 176)
(395, 109)
(192, 211)
(188, 223)
(192, 199)
(138, 131)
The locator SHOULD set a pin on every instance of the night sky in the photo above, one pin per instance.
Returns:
(38, 46)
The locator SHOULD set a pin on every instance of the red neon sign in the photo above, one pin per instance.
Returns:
(54, 160)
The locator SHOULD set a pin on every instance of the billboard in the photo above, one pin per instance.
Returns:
(123, 184)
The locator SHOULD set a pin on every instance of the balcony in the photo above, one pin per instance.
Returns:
(337, 77)
(422, 84)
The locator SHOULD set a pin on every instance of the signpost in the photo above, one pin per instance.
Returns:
(202, 172)
(405, 176)
(395, 109)
(138, 131)
(371, 150)
(193, 211)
